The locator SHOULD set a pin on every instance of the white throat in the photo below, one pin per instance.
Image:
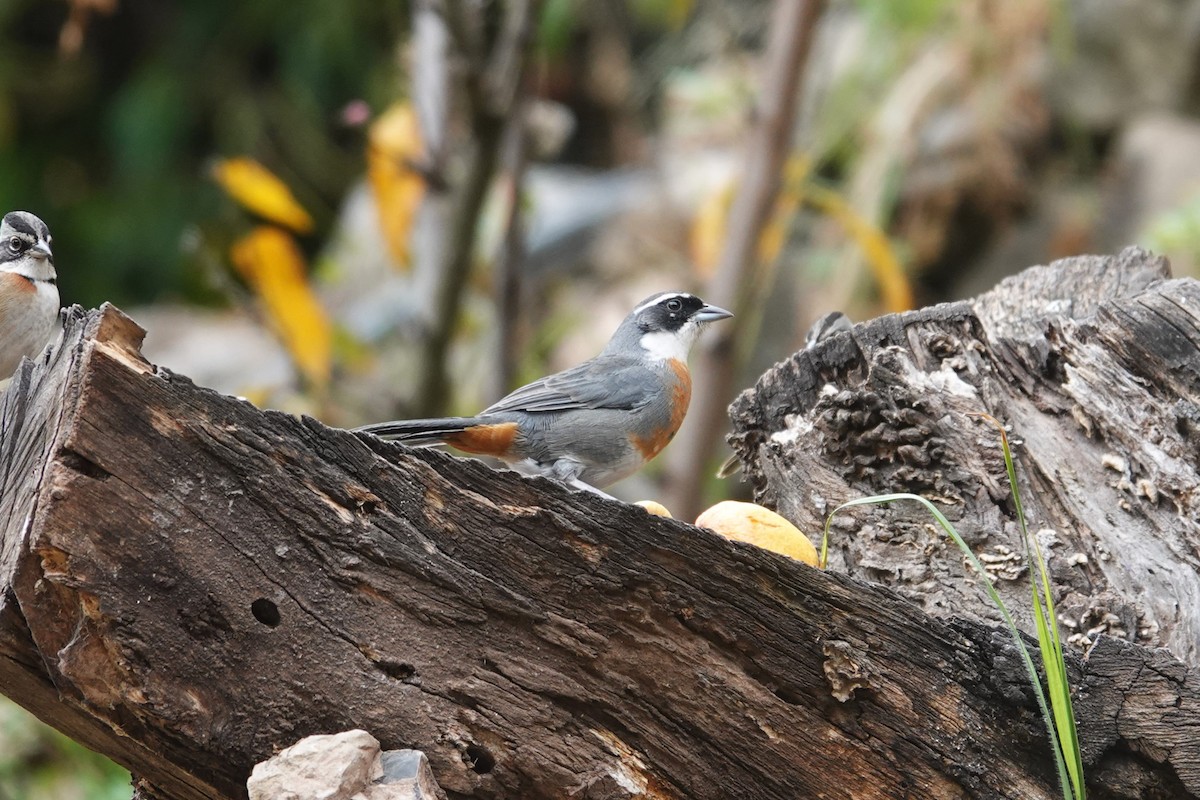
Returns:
(35, 269)
(664, 345)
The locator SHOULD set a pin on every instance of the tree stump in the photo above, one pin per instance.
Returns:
(1094, 365)
(190, 584)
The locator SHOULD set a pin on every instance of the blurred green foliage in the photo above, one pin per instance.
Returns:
(908, 18)
(110, 145)
(561, 20)
(1177, 232)
(38, 763)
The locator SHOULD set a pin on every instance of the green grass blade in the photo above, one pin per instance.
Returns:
(1048, 718)
(1049, 641)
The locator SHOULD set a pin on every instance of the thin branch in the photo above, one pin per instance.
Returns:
(492, 86)
(506, 65)
(512, 254)
(431, 82)
(465, 32)
(792, 25)
(434, 394)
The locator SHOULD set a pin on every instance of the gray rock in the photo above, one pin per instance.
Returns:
(344, 766)
(325, 767)
(406, 776)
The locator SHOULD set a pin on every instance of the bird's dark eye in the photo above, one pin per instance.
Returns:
(674, 304)
(16, 244)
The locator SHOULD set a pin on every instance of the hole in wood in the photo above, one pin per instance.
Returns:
(787, 695)
(362, 499)
(399, 670)
(84, 466)
(265, 612)
(479, 759)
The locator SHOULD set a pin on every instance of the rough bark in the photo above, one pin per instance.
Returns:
(1092, 363)
(190, 584)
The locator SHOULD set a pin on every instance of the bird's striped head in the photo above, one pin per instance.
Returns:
(666, 325)
(25, 247)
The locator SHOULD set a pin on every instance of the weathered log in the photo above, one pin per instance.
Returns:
(1094, 364)
(189, 584)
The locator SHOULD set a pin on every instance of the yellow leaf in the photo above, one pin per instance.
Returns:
(881, 258)
(257, 188)
(708, 230)
(273, 266)
(774, 234)
(393, 146)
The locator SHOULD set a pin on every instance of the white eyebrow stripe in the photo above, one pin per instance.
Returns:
(659, 299)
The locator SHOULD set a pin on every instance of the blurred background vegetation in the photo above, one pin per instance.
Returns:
(363, 210)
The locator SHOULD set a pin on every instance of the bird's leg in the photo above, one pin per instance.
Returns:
(587, 487)
(568, 470)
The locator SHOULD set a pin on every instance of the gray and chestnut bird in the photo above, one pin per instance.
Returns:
(596, 423)
(28, 289)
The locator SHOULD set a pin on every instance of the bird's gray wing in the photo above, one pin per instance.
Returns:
(607, 382)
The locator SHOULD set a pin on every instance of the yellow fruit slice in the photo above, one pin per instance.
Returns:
(753, 524)
(653, 507)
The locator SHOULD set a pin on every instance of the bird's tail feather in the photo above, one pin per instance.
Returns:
(421, 431)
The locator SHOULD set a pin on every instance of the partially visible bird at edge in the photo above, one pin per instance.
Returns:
(28, 289)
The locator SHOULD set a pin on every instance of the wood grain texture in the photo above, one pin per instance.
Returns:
(190, 584)
(1093, 364)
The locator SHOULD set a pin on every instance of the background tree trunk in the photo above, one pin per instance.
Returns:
(189, 584)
